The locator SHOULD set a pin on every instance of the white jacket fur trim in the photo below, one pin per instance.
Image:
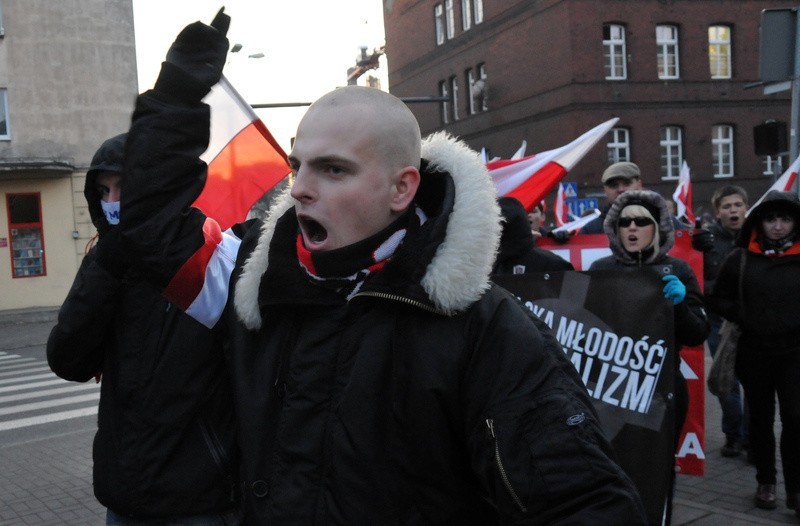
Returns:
(458, 274)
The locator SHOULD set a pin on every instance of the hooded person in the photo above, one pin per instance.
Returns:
(518, 253)
(758, 287)
(165, 443)
(640, 233)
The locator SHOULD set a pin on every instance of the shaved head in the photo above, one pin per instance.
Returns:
(395, 129)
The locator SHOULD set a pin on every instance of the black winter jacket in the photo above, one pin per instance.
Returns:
(431, 397)
(724, 243)
(691, 321)
(165, 444)
(768, 311)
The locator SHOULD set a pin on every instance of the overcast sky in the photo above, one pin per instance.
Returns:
(307, 45)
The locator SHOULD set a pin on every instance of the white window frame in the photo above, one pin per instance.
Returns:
(444, 92)
(438, 20)
(667, 56)
(4, 108)
(454, 91)
(720, 62)
(477, 11)
(450, 17)
(671, 155)
(722, 136)
(619, 145)
(614, 52)
(466, 15)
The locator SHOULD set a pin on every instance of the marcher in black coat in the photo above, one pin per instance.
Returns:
(768, 353)
(518, 253)
(640, 233)
(165, 443)
(380, 378)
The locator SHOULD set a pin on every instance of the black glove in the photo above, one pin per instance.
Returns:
(199, 54)
(702, 240)
(562, 236)
(110, 253)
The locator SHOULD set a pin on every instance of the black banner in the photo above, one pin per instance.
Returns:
(617, 330)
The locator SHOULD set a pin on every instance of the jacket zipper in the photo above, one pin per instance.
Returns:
(499, 462)
(218, 455)
(402, 299)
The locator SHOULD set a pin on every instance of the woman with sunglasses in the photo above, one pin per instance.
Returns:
(764, 299)
(640, 233)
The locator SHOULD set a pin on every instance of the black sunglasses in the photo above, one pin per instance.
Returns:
(638, 221)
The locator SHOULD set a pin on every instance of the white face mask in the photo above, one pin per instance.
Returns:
(111, 210)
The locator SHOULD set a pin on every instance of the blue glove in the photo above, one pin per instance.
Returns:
(674, 290)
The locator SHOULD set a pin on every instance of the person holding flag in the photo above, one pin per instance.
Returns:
(379, 376)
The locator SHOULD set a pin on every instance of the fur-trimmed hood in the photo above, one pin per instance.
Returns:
(457, 274)
(656, 205)
(773, 200)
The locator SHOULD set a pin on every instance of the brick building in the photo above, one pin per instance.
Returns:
(674, 71)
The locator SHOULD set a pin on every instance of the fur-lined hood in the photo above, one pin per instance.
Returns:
(457, 274)
(656, 205)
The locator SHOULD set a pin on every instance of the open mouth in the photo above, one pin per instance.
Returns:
(312, 229)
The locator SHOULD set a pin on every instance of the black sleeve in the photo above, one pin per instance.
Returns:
(76, 345)
(723, 298)
(535, 441)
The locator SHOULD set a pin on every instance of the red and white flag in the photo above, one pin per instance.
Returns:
(561, 210)
(785, 183)
(520, 153)
(683, 195)
(531, 178)
(244, 160)
(573, 227)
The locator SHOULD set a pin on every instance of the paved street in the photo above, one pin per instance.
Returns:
(47, 425)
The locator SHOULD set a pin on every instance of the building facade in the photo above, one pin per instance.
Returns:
(67, 82)
(677, 73)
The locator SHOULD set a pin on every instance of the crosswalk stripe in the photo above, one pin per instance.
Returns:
(32, 369)
(47, 392)
(31, 385)
(27, 378)
(14, 359)
(44, 419)
(35, 406)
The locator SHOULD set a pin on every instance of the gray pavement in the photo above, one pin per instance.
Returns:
(45, 470)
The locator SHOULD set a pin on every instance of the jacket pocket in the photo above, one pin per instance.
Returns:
(500, 467)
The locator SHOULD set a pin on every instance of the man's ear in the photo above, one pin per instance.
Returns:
(405, 188)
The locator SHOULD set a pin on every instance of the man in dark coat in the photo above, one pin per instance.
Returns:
(518, 253)
(165, 446)
(379, 376)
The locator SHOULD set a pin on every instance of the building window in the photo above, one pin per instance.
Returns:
(5, 130)
(25, 232)
(667, 42)
(671, 143)
(482, 88)
(438, 17)
(466, 15)
(454, 91)
(450, 16)
(619, 146)
(614, 52)
(477, 9)
(444, 92)
(719, 51)
(722, 144)
(469, 77)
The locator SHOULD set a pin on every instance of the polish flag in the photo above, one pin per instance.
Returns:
(244, 160)
(531, 178)
(683, 195)
(785, 183)
(561, 210)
